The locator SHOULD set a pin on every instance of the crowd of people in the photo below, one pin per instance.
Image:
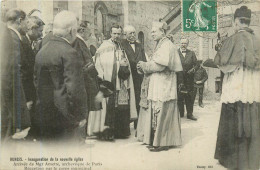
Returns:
(57, 88)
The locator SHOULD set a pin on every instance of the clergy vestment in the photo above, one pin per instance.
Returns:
(238, 138)
(119, 108)
(164, 128)
(135, 53)
(144, 118)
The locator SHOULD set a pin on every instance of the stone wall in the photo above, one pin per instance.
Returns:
(115, 15)
(141, 14)
(193, 40)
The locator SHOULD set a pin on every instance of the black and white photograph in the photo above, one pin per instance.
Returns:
(130, 85)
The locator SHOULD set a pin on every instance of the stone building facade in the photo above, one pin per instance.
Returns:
(141, 14)
(102, 14)
(204, 43)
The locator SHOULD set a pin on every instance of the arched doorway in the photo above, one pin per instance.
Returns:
(141, 37)
(100, 13)
(100, 25)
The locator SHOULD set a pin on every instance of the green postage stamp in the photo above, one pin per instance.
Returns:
(199, 15)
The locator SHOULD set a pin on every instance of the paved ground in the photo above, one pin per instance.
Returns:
(197, 151)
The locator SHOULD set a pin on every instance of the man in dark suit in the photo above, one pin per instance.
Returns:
(135, 53)
(90, 72)
(61, 96)
(35, 27)
(14, 113)
(188, 60)
(45, 39)
(35, 31)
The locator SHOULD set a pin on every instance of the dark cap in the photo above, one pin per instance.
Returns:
(242, 12)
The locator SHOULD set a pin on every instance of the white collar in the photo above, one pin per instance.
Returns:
(79, 36)
(65, 39)
(15, 30)
(130, 41)
(182, 51)
(28, 38)
(110, 39)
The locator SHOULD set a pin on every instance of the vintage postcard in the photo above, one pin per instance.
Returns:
(130, 84)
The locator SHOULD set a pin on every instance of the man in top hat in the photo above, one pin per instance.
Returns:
(238, 138)
(188, 61)
(200, 77)
(135, 53)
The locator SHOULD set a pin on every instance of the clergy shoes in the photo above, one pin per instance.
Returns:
(158, 149)
(191, 117)
(149, 146)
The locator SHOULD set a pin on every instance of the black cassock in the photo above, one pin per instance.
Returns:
(134, 56)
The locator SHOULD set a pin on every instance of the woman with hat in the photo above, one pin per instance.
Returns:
(238, 140)
(164, 129)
